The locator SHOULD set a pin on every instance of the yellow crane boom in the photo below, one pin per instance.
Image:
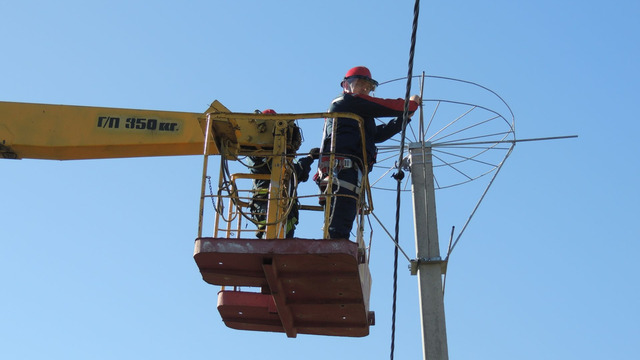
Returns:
(63, 132)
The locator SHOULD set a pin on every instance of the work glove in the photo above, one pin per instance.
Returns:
(314, 153)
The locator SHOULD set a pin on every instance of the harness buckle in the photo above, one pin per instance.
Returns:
(339, 163)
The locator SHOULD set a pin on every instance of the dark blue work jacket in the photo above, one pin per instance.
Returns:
(348, 141)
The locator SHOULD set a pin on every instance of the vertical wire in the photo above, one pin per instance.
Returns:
(399, 175)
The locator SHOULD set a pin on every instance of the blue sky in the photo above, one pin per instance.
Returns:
(96, 256)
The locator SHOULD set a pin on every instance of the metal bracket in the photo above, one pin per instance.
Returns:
(7, 152)
(415, 263)
(261, 125)
(362, 256)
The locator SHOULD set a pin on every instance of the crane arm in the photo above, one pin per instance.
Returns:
(63, 132)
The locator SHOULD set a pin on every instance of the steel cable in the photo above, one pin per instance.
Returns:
(400, 175)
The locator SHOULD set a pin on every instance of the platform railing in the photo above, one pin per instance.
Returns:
(237, 142)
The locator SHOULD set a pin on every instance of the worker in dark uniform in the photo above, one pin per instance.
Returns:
(259, 202)
(356, 86)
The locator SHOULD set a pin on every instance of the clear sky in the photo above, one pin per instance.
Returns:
(96, 256)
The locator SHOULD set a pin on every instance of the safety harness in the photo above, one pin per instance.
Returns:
(340, 163)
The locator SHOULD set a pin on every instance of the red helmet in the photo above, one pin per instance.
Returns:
(359, 72)
(269, 111)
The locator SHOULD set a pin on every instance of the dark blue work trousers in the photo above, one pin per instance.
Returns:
(343, 208)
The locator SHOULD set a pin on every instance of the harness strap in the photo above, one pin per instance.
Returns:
(342, 183)
(339, 163)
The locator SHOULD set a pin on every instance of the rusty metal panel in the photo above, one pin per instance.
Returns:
(308, 286)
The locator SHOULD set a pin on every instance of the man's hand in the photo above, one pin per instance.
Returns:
(314, 153)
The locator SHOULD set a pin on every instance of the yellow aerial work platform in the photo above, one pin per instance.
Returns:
(301, 286)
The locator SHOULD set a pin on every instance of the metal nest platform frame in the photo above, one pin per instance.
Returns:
(274, 283)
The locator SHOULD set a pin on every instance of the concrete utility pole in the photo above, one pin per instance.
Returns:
(428, 265)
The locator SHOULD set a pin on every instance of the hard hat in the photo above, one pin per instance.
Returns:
(358, 72)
